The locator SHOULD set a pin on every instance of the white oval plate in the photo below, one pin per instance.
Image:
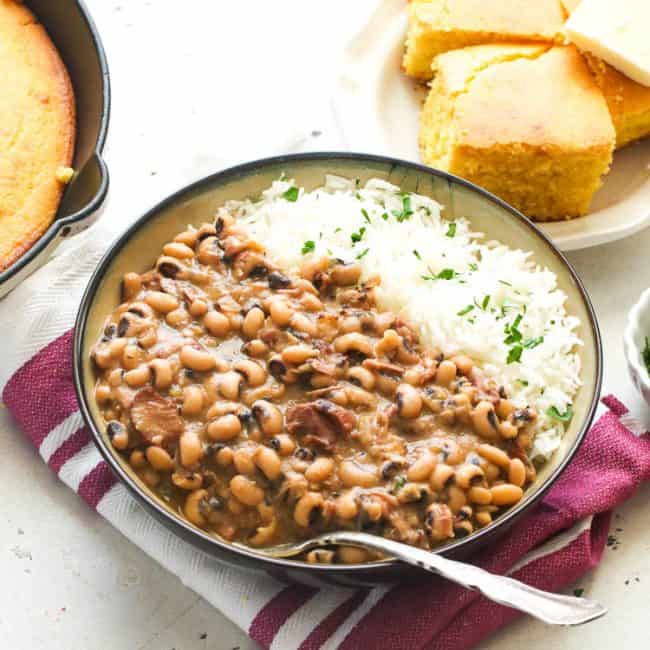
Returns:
(377, 107)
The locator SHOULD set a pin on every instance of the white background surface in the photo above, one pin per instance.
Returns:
(197, 85)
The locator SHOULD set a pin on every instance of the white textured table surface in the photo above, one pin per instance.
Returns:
(198, 85)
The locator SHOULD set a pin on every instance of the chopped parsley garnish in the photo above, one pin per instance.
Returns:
(400, 482)
(473, 267)
(406, 210)
(506, 283)
(364, 212)
(646, 354)
(512, 330)
(363, 253)
(561, 417)
(507, 305)
(291, 194)
(358, 196)
(466, 310)
(337, 230)
(385, 216)
(578, 592)
(451, 231)
(514, 355)
(415, 252)
(445, 274)
(356, 236)
(533, 343)
(523, 382)
(308, 246)
(485, 303)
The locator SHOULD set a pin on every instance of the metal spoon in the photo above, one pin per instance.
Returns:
(548, 607)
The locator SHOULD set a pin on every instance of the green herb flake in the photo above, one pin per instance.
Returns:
(406, 211)
(451, 231)
(512, 330)
(523, 382)
(533, 343)
(358, 196)
(506, 283)
(415, 252)
(337, 230)
(356, 236)
(560, 417)
(578, 592)
(291, 194)
(473, 267)
(308, 247)
(362, 254)
(646, 354)
(445, 274)
(364, 212)
(385, 216)
(466, 310)
(400, 482)
(485, 303)
(514, 355)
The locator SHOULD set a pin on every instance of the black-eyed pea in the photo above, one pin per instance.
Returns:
(413, 375)
(446, 373)
(254, 374)
(131, 286)
(441, 476)
(148, 338)
(409, 402)
(178, 250)
(298, 354)
(149, 476)
(268, 416)
(187, 237)
(483, 518)
(505, 408)
(507, 430)
(178, 317)
(230, 385)
(235, 506)
(255, 348)
(494, 455)
(103, 393)
(138, 376)
(389, 342)
(253, 322)
(464, 364)
(116, 347)
(320, 556)
(320, 470)
(506, 494)
(216, 323)
(159, 459)
(198, 308)
(190, 448)
(187, 480)
(246, 491)
(161, 302)
(307, 508)
(357, 397)
(192, 508)
(345, 275)
(264, 534)
(319, 380)
(313, 266)
(346, 506)
(192, 400)
(269, 462)
(283, 444)
(302, 323)
(131, 356)
(456, 498)
(225, 457)
(480, 495)
(353, 474)
(517, 472)
(452, 452)
(349, 324)
(485, 421)
(280, 311)
(362, 377)
(243, 460)
(468, 475)
(354, 342)
(118, 434)
(196, 359)
(422, 468)
(137, 459)
(224, 428)
(163, 375)
(102, 357)
(311, 302)
(351, 555)
(222, 408)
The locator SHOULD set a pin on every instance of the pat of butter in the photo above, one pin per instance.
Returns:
(616, 31)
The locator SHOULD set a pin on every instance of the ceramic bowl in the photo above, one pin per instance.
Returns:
(136, 250)
(73, 32)
(635, 338)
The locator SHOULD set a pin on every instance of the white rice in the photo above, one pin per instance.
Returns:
(491, 287)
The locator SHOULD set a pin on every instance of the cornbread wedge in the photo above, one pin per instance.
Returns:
(37, 130)
(437, 26)
(527, 123)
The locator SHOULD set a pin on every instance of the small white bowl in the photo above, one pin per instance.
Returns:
(638, 328)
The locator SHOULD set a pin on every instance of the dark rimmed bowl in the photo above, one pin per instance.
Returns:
(73, 32)
(137, 250)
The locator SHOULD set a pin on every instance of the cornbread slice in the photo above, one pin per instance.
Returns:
(37, 130)
(527, 123)
(437, 26)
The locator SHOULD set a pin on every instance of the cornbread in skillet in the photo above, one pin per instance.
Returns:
(37, 130)
(527, 123)
(437, 26)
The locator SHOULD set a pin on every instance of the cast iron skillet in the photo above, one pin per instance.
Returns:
(136, 250)
(73, 32)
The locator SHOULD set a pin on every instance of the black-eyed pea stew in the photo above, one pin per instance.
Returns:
(266, 407)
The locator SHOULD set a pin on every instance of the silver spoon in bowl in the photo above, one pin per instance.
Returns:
(555, 609)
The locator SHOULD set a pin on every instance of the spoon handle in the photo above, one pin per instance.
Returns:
(555, 609)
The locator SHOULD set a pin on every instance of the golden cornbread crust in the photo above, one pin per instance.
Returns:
(37, 130)
(437, 26)
(527, 123)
